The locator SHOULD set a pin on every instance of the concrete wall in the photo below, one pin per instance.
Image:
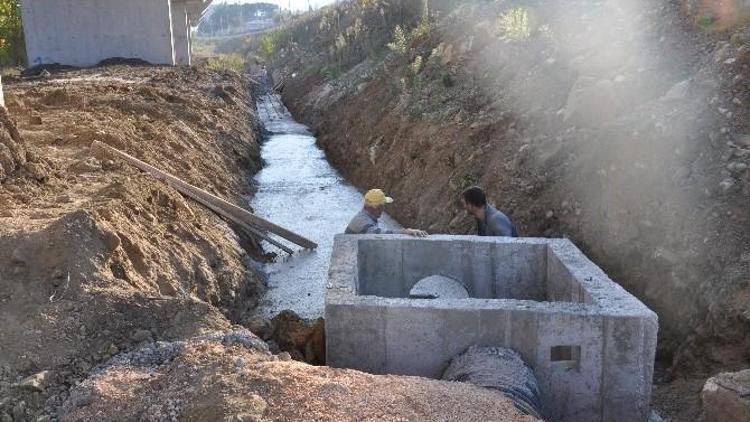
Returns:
(84, 32)
(487, 269)
(593, 356)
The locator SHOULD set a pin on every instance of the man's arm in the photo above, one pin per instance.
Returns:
(374, 229)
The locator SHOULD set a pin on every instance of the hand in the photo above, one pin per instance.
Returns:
(417, 233)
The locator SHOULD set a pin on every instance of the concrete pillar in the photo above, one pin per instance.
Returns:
(190, 37)
(85, 32)
(181, 31)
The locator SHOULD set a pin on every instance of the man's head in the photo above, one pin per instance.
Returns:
(474, 200)
(375, 201)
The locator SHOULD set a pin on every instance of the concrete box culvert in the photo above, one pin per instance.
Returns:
(591, 344)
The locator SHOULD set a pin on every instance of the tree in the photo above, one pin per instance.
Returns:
(225, 18)
(12, 48)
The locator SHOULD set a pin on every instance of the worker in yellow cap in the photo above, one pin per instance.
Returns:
(366, 221)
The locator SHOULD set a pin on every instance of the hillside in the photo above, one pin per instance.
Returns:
(621, 125)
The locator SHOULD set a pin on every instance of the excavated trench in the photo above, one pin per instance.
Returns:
(299, 190)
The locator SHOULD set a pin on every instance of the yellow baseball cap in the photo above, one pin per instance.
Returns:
(376, 198)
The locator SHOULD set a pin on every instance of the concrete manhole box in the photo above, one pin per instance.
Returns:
(591, 344)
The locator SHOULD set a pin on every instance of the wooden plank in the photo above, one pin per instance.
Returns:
(220, 206)
(252, 231)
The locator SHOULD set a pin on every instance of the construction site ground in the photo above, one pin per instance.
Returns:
(98, 261)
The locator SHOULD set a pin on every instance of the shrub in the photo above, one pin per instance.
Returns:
(400, 43)
(416, 66)
(272, 42)
(516, 24)
(267, 46)
(424, 22)
(402, 39)
(447, 80)
(330, 72)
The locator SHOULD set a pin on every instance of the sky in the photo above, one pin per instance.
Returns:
(284, 4)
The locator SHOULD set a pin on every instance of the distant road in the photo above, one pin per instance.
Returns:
(258, 29)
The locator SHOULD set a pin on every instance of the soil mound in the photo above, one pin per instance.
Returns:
(100, 258)
(232, 377)
(53, 68)
(15, 158)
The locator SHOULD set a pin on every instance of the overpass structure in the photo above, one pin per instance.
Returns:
(85, 32)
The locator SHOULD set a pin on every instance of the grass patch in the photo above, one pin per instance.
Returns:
(330, 72)
(222, 62)
(203, 48)
(10, 71)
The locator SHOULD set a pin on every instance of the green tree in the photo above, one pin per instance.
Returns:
(12, 48)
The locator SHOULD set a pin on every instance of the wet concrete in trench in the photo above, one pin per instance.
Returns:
(299, 190)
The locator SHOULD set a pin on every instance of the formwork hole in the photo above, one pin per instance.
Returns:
(566, 357)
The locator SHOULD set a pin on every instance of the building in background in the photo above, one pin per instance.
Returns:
(85, 32)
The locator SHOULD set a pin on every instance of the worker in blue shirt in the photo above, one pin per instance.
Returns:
(490, 221)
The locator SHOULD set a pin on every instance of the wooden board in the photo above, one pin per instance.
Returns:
(218, 205)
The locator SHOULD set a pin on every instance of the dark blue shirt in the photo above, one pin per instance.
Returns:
(495, 223)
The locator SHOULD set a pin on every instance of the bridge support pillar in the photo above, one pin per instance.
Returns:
(181, 32)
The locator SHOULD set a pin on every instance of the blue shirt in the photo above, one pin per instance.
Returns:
(495, 223)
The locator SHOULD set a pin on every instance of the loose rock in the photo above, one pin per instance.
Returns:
(726, 397)
(37, 382)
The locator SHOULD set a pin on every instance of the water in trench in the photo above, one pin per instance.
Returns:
(299, 190)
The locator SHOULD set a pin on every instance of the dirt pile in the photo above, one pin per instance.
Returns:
(304, 340)
(14, 157)
(232, 377)
(97, 258)
(726, 397)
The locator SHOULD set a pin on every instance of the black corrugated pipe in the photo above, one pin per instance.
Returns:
(500, 369)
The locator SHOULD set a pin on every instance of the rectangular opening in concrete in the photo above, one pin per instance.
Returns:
(566, 357)
(590, 343)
